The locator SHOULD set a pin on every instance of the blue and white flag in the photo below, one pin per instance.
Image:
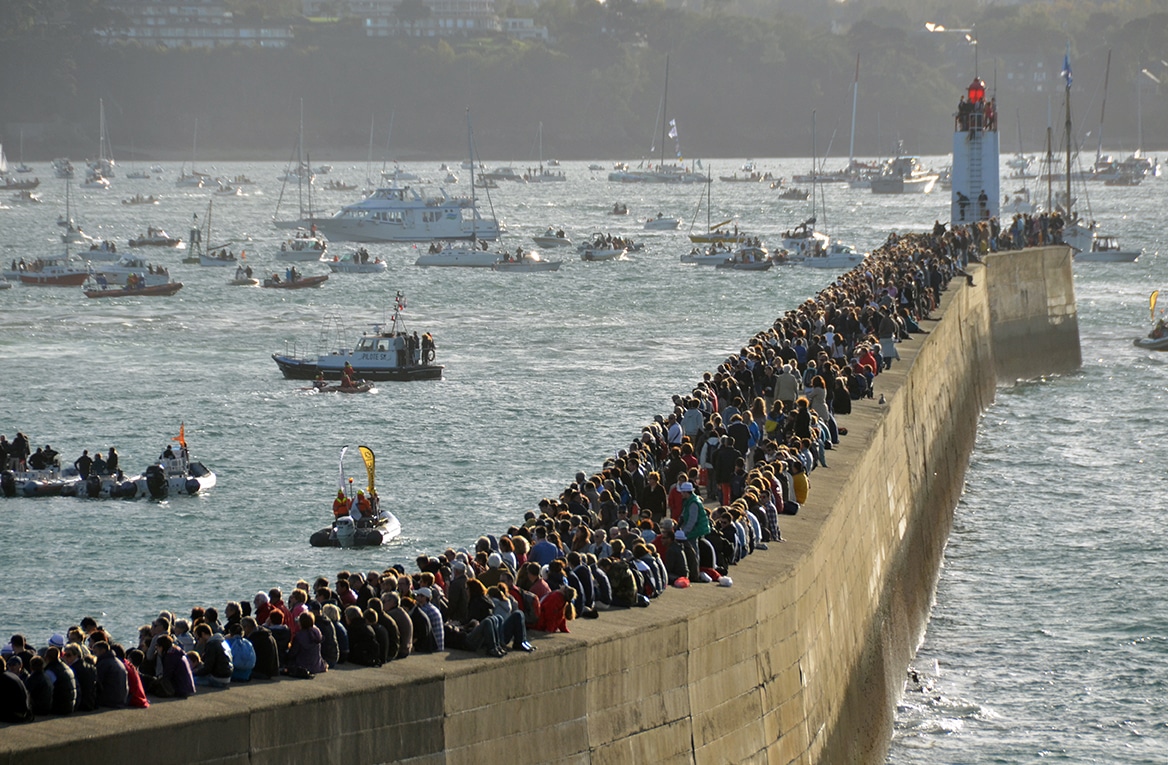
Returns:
(673, 129)
(1066, 72)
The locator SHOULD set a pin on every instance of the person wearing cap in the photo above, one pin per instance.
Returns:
(695, 521)
(490, 577)
(433, 616)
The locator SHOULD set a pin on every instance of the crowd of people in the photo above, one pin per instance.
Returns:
(747, 438)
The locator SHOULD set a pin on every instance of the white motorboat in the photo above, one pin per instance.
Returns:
(711, 256)
(139, 199)
(155, 237)
(457, 256)
(220, 257)
(604, 253)
(748, 257)
(387, 352)
(1106, 249)
(358, 262)
(1020, 204)
(95, 180)
(228, 190)
(904, 175)
(835, 255)
(74, 235)
(736, 264)
(552, 238)
(24, 196)
(104, 251)
(503, 173)
(525, 262)
(63, 168)
(661, 223)
(401, 214)
(53, 271)
(804, 241)
(190, 180)
(303, 247)
(119, 272)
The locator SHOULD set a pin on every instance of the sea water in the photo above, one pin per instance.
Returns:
(1055, 648)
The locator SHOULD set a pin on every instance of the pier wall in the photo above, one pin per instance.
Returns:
(801, 661)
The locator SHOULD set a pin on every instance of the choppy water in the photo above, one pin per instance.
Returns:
(1055, 649)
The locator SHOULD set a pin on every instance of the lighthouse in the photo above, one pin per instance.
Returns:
(975, 193)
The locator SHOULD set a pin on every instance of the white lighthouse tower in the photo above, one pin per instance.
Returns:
(975, 194)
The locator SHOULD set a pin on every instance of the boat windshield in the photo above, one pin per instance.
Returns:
(373, 344)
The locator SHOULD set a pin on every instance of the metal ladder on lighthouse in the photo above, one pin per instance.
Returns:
(974, 172)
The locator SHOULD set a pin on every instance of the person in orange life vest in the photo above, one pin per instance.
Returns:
(347, 376)
(364, 505)
(341, 505)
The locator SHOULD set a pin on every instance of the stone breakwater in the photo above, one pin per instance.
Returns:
(800, 662)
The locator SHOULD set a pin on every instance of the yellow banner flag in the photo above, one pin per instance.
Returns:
(1152, 303)
(370, 463)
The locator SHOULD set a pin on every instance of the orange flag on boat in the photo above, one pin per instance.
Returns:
(181, 437)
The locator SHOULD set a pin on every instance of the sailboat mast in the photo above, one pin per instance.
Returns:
(1050, 155)
(664, 113)
(1139, 120)
(815, 190)
(855, 96)
(473, 204)
(300, 161)
(1067, 127)
(369, 159)
(1102, 109)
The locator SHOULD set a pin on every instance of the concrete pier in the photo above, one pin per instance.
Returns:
(801, 661)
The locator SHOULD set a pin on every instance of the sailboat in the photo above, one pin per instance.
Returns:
(104, 165)
(472, 256)
(662, 173)
(1137, 166)
(544, 175)
(134, 171)
(21, 167)
(716, 233)
(73, 233)
(803, 241)
(194, 179)
(857, 174)
(302, 176)
(1022, 164)
(1083, 236)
